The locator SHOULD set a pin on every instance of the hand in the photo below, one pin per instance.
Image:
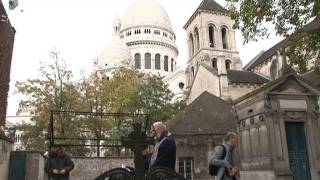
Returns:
(62, 171)
(55, 171)
(232, 172)
(145, 152)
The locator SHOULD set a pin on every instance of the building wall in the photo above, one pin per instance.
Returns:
(23, 117)
(263, 140)
(201, 22)
(5, 149)
(174, 84)
(240, 89)
(153, 50)
(265, 68)
(200, 148)
(85, 168)
(205, 81)
(142, 43)
(204, 53)
(7, 34)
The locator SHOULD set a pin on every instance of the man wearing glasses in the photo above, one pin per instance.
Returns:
(164, 153)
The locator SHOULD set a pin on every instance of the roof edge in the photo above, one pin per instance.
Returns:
(271, 83)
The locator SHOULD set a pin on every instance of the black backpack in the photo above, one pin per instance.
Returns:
(213, 169)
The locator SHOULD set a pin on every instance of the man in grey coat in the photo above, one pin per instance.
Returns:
(223, 158)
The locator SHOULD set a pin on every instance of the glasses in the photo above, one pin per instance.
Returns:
(153, 130)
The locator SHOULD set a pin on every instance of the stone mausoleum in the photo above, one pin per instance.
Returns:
(279, 131)
(276, 111)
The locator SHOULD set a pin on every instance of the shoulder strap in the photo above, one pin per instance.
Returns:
(224, 153)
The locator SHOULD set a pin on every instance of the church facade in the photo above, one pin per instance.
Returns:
(144, 40)
(275, 111)
(220, 93)
(214, 64)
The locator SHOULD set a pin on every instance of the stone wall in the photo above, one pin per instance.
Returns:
(200, 149)
(5, 149)
(33, 161)
(90, 168)
(85, 168)
(35, 166)
(237, 90)
(7, 33)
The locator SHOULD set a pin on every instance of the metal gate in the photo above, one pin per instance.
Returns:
(156, 173)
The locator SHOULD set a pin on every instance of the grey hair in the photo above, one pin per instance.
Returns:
(229, 135)
(160, 124)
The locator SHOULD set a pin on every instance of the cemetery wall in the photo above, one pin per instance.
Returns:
(90, 168)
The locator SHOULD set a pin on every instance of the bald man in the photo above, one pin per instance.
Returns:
(164, 153)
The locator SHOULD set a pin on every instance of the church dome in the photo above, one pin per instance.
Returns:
(145, 12)
(114, 55)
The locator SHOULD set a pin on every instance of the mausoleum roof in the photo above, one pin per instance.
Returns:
(206, 115)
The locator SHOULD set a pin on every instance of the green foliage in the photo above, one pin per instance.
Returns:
(118, 90)
(128, 91)
(153, 97)
(255, 19)
(54, 90)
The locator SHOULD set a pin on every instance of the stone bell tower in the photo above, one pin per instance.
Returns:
(211, 42)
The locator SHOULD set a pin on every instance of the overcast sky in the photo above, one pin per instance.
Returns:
(81, 29)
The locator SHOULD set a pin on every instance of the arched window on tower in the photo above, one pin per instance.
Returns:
(224, 37)
(214, 63)
(172, 62)
(211, 36)
(191, 44)
(137, 61)
(196, 36)
(166, 63)
(147, 60)
(228, 64)
(157, 62)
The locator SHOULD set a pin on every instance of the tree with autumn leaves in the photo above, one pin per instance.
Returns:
(128, 91)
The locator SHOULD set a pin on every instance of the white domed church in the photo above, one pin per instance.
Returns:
(144, 39)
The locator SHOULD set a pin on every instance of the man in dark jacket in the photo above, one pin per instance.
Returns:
(164, 153)
(58, 164)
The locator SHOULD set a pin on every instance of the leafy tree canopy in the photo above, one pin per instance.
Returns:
(255, 18)
(127, 91)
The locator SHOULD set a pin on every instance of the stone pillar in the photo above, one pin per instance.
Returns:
(232, 40)
(223, 79)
